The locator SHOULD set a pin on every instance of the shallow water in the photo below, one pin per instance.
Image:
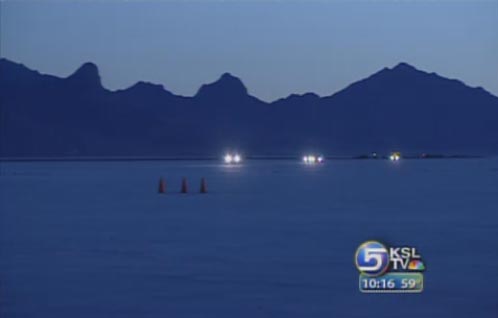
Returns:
(270, 239)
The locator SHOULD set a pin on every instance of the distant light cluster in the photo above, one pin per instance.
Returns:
(312, 159)
(232, 158)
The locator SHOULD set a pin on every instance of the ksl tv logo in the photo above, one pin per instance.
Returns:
(373, 258)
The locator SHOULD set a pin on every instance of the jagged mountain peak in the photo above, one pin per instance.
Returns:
(144, 89)
(87, 73)
(309, 97)
(226, 85)
(228, 77)
(147, 85)
(403, 66)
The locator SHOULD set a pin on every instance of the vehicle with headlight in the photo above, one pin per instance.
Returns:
(312, 159)
(232, 158)
(395, 156)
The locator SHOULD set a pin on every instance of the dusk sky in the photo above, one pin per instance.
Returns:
(276, 48)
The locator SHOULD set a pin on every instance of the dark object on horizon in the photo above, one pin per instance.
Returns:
(184, 188)
(203, 185)
(395, 108)
(432, 156)
(372, 155)
(162, 186)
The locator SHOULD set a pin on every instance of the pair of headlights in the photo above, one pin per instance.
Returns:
(232, 158)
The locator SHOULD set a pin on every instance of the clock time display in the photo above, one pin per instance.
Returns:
(392, 283)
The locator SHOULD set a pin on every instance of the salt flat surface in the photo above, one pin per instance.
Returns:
(270, 239)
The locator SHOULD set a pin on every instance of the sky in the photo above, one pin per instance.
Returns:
(276, 47)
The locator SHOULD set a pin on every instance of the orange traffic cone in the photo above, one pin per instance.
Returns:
(162, 186)
(203, 185)
(184, 186)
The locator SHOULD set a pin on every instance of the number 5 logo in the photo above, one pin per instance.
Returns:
(372, 258)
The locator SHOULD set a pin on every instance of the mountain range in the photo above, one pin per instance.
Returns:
(399, 108)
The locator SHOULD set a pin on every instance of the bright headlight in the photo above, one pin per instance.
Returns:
(312, 159)
(396, 156)
(232, 158)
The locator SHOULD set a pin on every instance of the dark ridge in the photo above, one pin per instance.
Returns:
(87, 75)
(227, 85)
(399, 108)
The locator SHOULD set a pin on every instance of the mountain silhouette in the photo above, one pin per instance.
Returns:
(87, 75)
(226, 87)
(399, 108)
